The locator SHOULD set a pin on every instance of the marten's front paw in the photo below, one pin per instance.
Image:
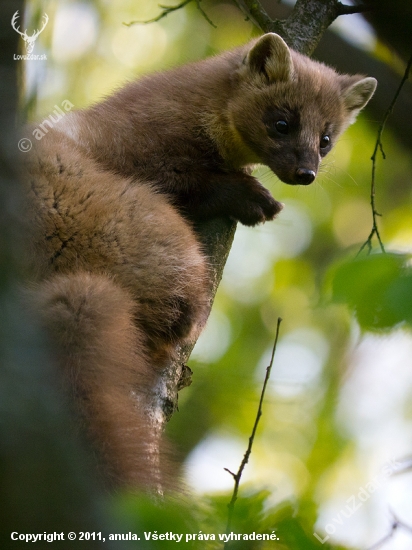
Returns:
(258, 207)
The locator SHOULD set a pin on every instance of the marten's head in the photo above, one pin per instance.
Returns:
(289, 110)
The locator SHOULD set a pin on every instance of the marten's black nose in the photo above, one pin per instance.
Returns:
(303, 176)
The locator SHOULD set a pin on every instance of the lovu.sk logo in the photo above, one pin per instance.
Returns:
(28, 39)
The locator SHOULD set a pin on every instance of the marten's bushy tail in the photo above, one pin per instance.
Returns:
(91, 321)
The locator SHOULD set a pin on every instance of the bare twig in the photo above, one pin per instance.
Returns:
(165, 11)
(405, 467)
(169, 9)
(343, 9)
(256, 13)
(246, 456)
(379, 147)
(204, 14)
(396, 524)
(385, 539)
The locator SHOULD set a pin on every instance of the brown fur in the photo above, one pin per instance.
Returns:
(194, 131)
(119, 279)
(119, 276)
(102, 355)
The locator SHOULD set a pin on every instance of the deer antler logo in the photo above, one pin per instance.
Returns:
(29, 40)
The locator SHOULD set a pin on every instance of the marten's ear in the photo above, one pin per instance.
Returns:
(270, 58)
(357, 94)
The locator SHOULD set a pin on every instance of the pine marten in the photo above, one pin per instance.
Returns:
(119, 276)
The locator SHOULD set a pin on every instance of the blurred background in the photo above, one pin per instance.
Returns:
(337, 416)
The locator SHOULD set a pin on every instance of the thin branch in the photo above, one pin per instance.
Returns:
(379, 147)
(385, 539)
(241, 5)
(256, 13)
(405, 468)
(246, 456)
(169, 9)
(396, 524)
(205, 14)
(165, 11)
(343, 9)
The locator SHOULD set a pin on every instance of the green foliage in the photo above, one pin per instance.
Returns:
(149, 518)
(202, 524)
(378, 288)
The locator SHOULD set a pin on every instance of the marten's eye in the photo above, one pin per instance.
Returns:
(282, 127)
(325, 141)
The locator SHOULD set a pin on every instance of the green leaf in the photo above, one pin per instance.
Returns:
(377, 288)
